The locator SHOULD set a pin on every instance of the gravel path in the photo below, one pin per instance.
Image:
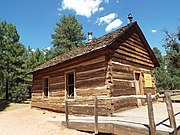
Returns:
(27, 121)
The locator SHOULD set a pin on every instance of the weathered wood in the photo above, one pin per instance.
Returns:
(92, 91)
(67, 113)
(91, 83)
(130, 54)
(122, 75)
(98, 64)
(132, 59)
(92, 74)
(170, 112)
(133, 65)
(152, 126)
(129, 50)
(95, 115)
(123, 91)
(58, 79)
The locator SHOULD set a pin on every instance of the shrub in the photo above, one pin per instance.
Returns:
(19, 93)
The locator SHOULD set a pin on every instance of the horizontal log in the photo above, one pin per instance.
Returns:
(56, 99)
(134, 60)
(123, 92)
(55, 74)
(58, 79)
(121, 68)
(54, 87)
(135, 48)
(85, 75)
(91, 66)
(134, 56)
(36, 94)
(136, 44)
(121, 84)
(130, 50)
(92, 92)
(122, 75)
(38, 82)
(57, 93)
(91, 83)
(37, 87)
(135, 66)
(91, 71)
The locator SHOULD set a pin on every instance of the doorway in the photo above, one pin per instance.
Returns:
(138, 86)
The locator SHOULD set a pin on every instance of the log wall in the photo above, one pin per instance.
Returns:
(89, 81)
(110, 72)
(129, 56)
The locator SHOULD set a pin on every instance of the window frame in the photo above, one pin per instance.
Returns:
(66, 89)
(43, 92)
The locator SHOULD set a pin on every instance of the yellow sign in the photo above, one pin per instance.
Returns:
(148, 80)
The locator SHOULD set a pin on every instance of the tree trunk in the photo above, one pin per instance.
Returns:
(7, 95)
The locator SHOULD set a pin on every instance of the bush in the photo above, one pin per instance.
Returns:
(19, 93)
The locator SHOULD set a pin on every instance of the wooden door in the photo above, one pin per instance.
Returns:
(138, 87)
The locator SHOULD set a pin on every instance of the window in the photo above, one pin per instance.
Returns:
(70, 84)
(46, 87)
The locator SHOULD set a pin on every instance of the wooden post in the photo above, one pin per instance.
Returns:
(66, 108)
(96, 115)
(152, 126)
(170, 112)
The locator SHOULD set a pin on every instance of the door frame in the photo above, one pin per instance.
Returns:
(140, 86)
(140, 81)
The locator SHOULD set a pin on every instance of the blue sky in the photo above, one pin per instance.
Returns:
(36, 19)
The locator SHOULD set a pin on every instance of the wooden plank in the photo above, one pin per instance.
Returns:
(152, 126)
(85, 76)
(91, 66)
(134, 55)
(95, 115)
(170, 112)
(122, 75)
(67, 113)
(131, 59)
(133, 65)
(91, 83)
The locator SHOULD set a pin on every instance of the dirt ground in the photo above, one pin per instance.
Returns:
(22, 120)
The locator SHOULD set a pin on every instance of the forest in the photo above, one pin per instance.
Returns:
(17, 60)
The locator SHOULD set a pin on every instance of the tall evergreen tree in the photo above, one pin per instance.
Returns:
(168, 74)
(12, 62)
(68, 34)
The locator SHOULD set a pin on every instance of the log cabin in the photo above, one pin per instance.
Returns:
(116, 64)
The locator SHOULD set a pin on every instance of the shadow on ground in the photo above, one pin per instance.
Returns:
(4, 104)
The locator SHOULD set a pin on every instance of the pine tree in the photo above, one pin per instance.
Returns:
(168, 74)
(68, 34)
(12, 62)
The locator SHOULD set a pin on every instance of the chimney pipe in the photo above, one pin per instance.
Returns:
(89, 36)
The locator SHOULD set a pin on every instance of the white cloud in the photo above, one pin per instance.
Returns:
(153, 31)
(33, 50)
(101, 9)
(82, 7)
(115, 24)
(106, 19)
(107, 1)
(48, 48)
(117, 1)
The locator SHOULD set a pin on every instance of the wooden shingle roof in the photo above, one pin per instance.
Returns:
(96, 44)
